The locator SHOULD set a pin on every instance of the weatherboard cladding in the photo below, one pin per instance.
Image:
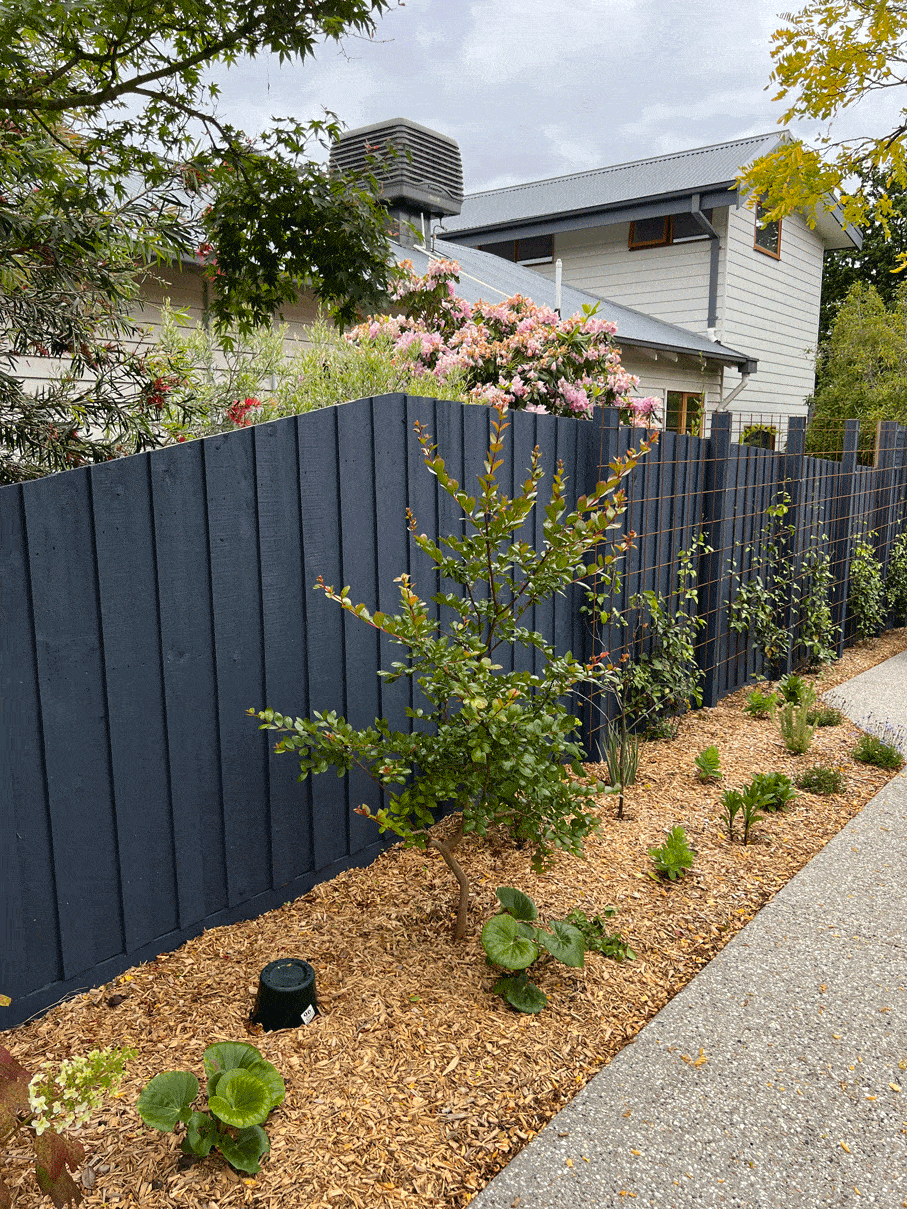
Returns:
(683, 172)
(492, 279)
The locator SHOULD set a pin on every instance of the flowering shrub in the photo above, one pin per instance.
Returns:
(45, 1104)
(512, 353)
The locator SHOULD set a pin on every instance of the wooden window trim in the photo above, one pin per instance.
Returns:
(664, 242)
(776, 255)
(686, 397)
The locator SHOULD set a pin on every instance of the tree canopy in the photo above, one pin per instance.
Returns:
(862, 370)
(876, 263)
(113, 156)
(828, 57)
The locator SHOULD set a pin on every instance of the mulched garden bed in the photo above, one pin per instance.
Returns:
(415, 1085)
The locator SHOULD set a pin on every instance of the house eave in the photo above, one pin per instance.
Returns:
(710, 197)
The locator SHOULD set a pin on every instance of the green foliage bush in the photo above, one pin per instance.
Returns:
(674, 856)
(259, 379)
(896, 578)
(821, 780)
(866, 590)
(708, 765)
(870, 750)
(499, 744)
(660, 679)
(759, 704)
(825, 715)
(777, 588)
(242, 1090)
(775, 789)
(793, 688)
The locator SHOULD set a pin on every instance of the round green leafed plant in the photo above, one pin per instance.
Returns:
(242, 1090)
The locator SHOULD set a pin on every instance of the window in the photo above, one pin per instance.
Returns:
(683, 412)
(538, 249)
(660, 232)
(768, 234)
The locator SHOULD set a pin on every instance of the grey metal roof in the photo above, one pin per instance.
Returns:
(703, 168)
(491, 278)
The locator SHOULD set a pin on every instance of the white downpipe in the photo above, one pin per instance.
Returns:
(558, 270)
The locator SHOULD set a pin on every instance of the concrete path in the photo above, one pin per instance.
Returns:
(778, 1077)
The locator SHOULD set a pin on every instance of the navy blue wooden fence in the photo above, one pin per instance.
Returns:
(148, 602)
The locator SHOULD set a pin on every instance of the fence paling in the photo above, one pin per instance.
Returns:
(149, 602)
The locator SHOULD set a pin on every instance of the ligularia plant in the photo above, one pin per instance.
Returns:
(512, 353)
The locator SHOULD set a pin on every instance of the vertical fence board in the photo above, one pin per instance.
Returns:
(71, 683)
(239, 654)
(30, 952)
(318, 481)
(130, 623)
(360, 571)
(190, 696)
(717, 523)
(391, 436)
(284, 595)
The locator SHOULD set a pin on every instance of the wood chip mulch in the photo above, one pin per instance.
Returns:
(414, 1085)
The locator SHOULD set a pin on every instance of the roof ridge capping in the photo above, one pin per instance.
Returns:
(776, 135)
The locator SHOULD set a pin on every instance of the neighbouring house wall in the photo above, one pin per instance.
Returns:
(658, 377)
(184, 288)
(669, 283)
(772, 312)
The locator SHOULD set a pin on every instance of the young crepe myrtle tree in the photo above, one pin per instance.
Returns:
(499, 744)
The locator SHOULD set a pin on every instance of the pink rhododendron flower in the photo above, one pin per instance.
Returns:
(512, 351)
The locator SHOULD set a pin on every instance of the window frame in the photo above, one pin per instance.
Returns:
(669, 237)
(685, 397)
(514, 245)
(664, 242)
(757, 230)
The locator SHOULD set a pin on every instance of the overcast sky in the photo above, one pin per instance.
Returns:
(536, 88)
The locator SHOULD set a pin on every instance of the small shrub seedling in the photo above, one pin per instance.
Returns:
(825, 715)
(794, 688)
(596, 936)
(776, 789)
(514, 940)
(243, 1088)
(622, 759)
(766, 791)
(673, 857)
(759, 704)
(821, 780)
(708, 765)
(792, 718)
(871, 750)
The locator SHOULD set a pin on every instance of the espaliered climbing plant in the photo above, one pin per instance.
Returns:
(499, 744)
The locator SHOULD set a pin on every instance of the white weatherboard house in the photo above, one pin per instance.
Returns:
(672, 237)
(713, 307)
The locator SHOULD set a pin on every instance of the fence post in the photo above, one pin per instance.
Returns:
(840, 545)
(793, 487)
(886, 495)
(602, 449)
(714, 579)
